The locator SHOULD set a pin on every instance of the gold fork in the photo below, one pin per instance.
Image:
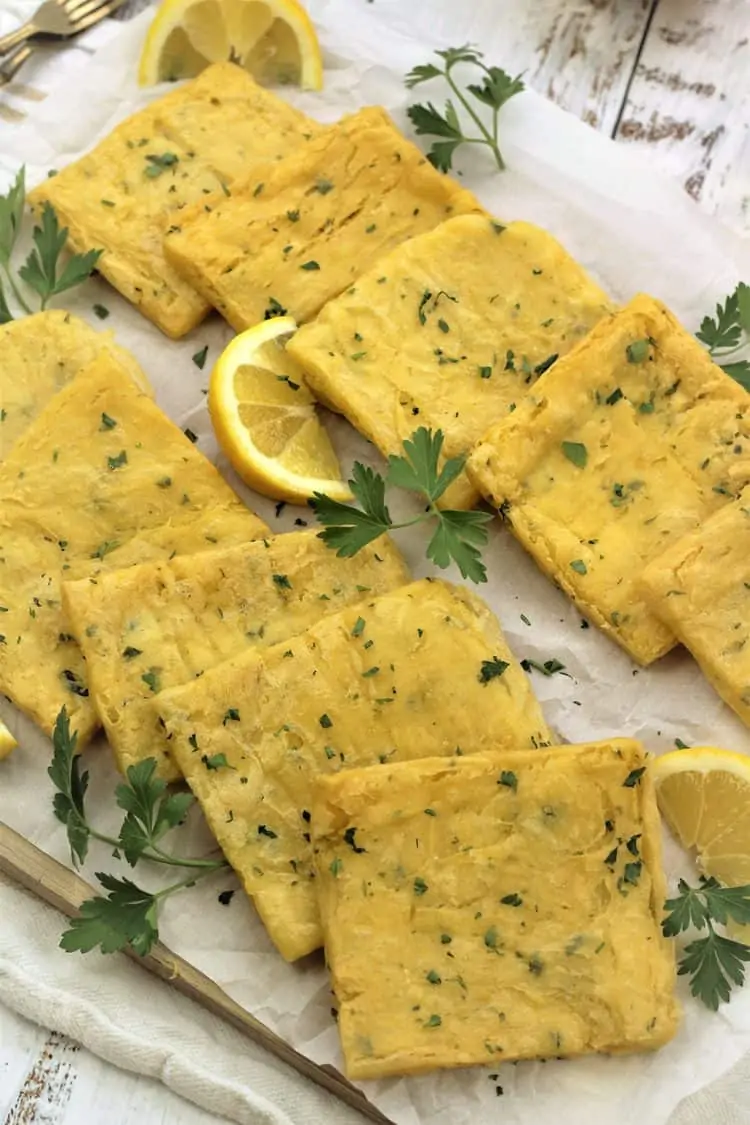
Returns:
(60, 19)
(9, 67)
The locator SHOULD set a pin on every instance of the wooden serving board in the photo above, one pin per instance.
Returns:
(62, 888)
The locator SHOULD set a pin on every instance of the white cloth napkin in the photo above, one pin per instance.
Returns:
(136, 1022)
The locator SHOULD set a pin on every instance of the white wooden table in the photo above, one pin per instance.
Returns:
(669, 76)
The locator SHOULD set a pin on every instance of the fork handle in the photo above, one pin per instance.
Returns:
(13, 38)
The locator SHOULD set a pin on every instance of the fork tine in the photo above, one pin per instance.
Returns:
(78, 9)
(97, 10)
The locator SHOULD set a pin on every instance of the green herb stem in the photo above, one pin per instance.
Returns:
(489, 139)
(156, 854)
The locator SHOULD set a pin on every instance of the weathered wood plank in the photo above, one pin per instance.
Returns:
(579, 53)
(689, 103)
(44, 1096)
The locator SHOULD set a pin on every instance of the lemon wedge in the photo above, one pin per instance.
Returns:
(274, 40)
(265, 418)
(7, 741)
(704, 795)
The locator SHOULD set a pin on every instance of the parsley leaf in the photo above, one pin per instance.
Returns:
(459, 534)
(728, 332)
(71, 785)
(576, 452)
(458, 538)
(151, 811)
(714, 963)
(493, 91)
(5, 314)
(40, 270)
(11, 215)
(127, 916)
(349, 529)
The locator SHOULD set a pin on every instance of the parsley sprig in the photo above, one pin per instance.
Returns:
(128, 914)
(714, 963)
(458, 535)
(494, 90)
(728, 333)
(41, 271)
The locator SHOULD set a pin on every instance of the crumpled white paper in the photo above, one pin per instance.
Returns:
(634, 231)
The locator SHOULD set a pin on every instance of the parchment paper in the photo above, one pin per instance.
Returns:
(634, 231)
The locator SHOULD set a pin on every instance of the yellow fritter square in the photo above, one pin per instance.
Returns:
(296, 234)
(495, 907)
(40, 354)
(700, 588)
(629, 442)
(172, 621)
(125, 193)
(449, 330)
(101, 478)
(424, 670)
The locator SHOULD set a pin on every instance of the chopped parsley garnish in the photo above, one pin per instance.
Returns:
(100, 311)
(118, 461)
(420, 887)
(548, 668)
(282, 581)
(190, 435)
(638, 351)
(199, 359)
(152, 679)
(292, 216)
(634, 777)
(490, 938)
(579, 566)
(105, 548)
(130, 653)
(325, 721)
(576, 452)
(512, 900)
(632, 872)
(545, 364)
(349, 839)
(274, 309)
(359, 625)
(491, 669)
(323, 186)
(433, 1021)
(509, 780)
(74, 683)
(230, 715)
(311, 265)
(264, 830)
(156, 164)
(433, 977)
(335, 867)
(370, 672)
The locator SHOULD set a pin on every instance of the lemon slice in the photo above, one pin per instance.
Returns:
(7, 741)
(272, 39)
(265, 419)
(704, 795)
